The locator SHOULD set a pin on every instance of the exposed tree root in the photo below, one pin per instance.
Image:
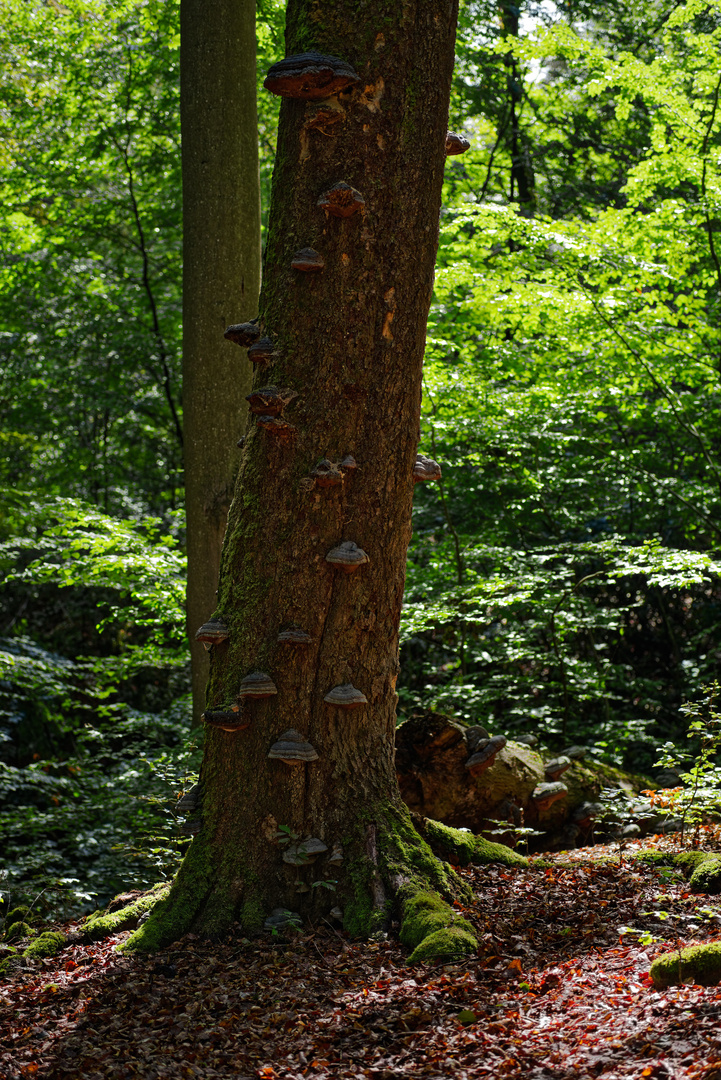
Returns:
(125, 918)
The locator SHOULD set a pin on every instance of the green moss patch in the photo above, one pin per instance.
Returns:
(433, 930)
(17, 915)
(47, 944)
(467, 847)
(706, 877)
(702, 963)
(102, 926)
(18, 931)
(703, 867)
(451, 943)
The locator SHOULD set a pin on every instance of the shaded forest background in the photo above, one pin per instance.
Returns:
(563, 575)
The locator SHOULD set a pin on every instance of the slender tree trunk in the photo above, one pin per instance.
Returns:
(523, 183)
(221, 279)
(349, 341)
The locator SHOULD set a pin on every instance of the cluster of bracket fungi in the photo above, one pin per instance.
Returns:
(483, 752)
(307, 77)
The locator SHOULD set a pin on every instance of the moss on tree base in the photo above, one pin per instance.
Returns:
(702, 963)
(389, 865)
(433, 930)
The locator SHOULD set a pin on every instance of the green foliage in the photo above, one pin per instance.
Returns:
(702, 774)
(88, 782)
(90, 233)
(565, 572)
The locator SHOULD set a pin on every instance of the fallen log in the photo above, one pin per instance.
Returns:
(437, 761)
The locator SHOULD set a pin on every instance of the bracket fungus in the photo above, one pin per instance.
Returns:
(307, 260)
(277, 427)
(188, 800)
(327, 474)
(269, 400)
(575, 753)
(191, 828)
(262, 351)
(556, 767)
(336, 856)
(213, 632)
(456, 144)
(475, 735)
(231, 718)
(545, 795)
(345, 697)
(293, 748)
(305, 852)
(348, 556)
(485, 754)
(257, 685)
(294, 635)
(527, 740)
(425, 469)
(349, 463)
(310, 76)
(243, 334)
(341, 201)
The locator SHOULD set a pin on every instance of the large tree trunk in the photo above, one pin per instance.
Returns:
(221, 279)
(349, 341)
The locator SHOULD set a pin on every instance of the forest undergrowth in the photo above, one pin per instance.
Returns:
(559, 988)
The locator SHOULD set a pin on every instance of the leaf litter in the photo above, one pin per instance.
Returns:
(558, 990)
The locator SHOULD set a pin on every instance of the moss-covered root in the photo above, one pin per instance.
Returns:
(465, 847)
(433, 930)
(702, 868)
(702, 963)
(101, 926)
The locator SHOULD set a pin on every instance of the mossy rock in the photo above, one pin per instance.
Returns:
(706, 877)
(18, 931)
(702, 963)
(449, 943)
(703, 867)
(466, 846)
(654, 858)
(423, 914)
(17, 915)
(46, 944)
(101, 926)
(688, 861)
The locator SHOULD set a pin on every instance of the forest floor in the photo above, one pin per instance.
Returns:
(559, 990)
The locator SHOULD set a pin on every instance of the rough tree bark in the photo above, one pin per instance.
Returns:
(349, 340)
(221, 279)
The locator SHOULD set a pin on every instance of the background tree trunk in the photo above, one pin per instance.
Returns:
(349, 341)
(221, 279)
